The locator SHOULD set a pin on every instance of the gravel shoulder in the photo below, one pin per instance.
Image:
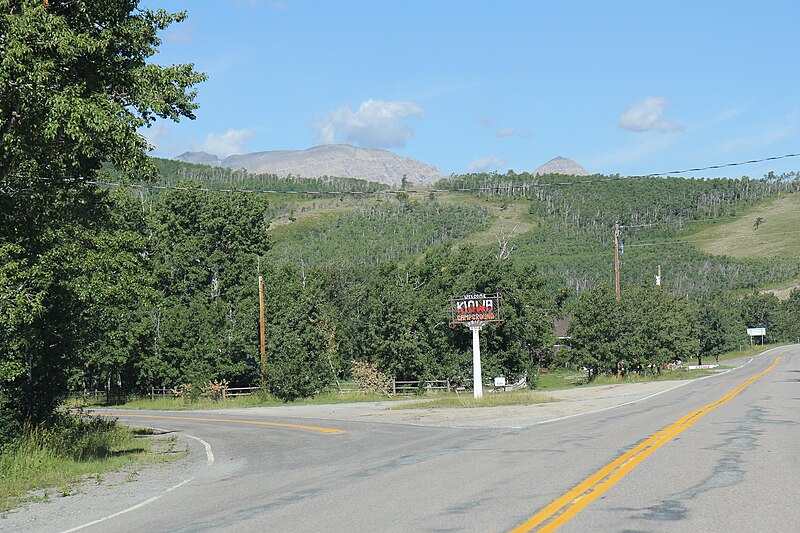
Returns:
(54, 509)
(570, 402)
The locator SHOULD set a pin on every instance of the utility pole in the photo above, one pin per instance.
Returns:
(261, 305)
(616, 280)
(616, 261)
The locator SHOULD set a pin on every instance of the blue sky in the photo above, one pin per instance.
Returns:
(628, 87)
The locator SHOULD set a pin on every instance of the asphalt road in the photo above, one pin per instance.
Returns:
(716, 454)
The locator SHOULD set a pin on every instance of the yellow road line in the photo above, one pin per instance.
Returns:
(225, 420)
(574, 501)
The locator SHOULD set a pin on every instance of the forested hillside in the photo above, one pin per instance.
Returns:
(357, 273)
(367, 276)
(658, 216)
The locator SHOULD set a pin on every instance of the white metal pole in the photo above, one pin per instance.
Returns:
(477, 380)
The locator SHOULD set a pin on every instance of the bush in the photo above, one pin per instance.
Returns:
(370, 378)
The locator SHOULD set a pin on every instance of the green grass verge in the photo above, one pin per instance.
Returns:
(57, 457)
(488, 400)
(254, 400)
(566, 379)
(746, 351)
(558, 379)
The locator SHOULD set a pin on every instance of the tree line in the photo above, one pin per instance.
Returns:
(650, 327)
(129, 289)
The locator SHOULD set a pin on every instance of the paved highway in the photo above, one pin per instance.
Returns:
(717, 454)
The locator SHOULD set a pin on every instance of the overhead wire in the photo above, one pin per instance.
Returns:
(725, 165)
(148, 186)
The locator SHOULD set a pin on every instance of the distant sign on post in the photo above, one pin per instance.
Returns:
(475, 309)
(757, 332)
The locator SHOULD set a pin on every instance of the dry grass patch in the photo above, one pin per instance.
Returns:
(488, 400)
(769, 230)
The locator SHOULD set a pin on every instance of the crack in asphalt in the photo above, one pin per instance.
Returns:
(727, 472)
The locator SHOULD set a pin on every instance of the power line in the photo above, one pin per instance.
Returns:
(526, 186)
(726, 165)
(208, 189)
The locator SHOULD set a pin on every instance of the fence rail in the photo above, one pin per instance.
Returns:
(394, 388)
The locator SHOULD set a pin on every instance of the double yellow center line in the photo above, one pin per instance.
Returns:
(571, 503)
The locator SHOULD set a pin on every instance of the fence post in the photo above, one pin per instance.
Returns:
(224, 391)
(394, 387)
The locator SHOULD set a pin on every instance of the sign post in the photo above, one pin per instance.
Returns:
(475, 311)
(756, 332)
(477, 378)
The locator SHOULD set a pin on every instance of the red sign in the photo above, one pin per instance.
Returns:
(475, 308)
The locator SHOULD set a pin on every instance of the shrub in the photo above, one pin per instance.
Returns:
(370, 378)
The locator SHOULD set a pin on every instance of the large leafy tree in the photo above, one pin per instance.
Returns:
(75, 88)
(203, 254)
(596, 331)
(297, 333)
(645, 330)
(790, 317)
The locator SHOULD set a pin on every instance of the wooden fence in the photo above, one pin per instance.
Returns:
(227, 392)
(405, 388)
(395, 388)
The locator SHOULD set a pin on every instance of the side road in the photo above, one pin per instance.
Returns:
(569, 403)
(94, 501)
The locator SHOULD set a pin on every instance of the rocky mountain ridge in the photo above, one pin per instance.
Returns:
(338, 160)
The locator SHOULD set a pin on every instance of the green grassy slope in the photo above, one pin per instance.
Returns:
(778, 235)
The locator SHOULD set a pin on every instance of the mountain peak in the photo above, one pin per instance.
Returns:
(339, 160)
(562, 165)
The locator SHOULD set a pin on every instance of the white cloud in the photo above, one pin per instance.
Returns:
(229, 143)
(376, 124)
(647, 115)
(487, 163)
(155, 135)
(507, 132)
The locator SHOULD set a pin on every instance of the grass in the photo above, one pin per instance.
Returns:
(56, 457)
(782, 291)
(558, 379)
(567, 379)
(746, 351)
(776, 236)
(488, 400)
(254, 400)
(510, 218)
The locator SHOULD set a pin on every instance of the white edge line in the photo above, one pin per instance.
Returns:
(209, 453)
(549, 420)
(209, 462)
(129, 509)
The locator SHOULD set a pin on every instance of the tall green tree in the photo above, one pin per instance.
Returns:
(596, 331)
(297, 335)
(790, 317)
(203, 254)
(646, 329)
(75, 89)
